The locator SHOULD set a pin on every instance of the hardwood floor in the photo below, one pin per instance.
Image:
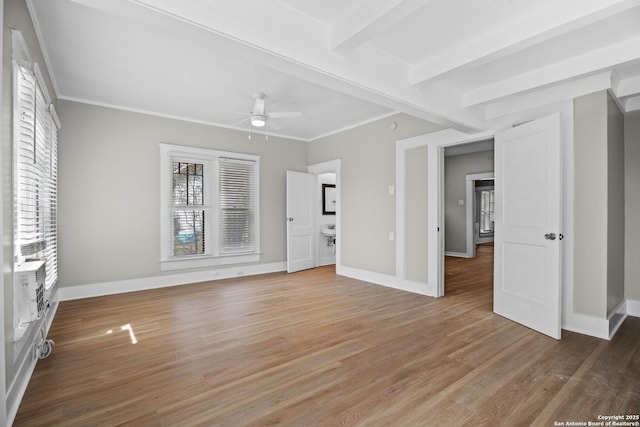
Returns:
(313, 348)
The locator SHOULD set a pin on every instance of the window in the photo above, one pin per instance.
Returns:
(209, 207)
(35, 130)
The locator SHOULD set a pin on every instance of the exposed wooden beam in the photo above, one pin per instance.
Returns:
(371, 19)
(518, 35)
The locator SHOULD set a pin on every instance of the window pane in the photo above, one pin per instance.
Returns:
(188, 184)
(236, 206)
(188, 232)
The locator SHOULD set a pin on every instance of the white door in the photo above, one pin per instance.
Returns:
(527, 228)
(300, 241)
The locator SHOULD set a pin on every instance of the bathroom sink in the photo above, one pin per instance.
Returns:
(328, 231)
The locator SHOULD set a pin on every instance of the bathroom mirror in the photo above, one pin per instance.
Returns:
(328, 199)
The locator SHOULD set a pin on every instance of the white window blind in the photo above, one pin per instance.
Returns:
(35, 178)
(237, 190)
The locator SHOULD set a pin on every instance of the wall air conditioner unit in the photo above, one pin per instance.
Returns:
(29, 280)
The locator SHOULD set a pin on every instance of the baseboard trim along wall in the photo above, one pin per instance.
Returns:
(109, 288)
(633, 308)
(457, 254)
(586, 325)
(601, 328)
(384, 280)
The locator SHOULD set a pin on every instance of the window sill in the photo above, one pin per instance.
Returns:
(208, 261)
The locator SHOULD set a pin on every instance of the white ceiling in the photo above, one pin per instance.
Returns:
(341, 63)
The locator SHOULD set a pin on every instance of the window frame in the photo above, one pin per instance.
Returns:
(44, 124)
(170, 153)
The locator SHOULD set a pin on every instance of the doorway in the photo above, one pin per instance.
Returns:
(468, 220)
(321, 245)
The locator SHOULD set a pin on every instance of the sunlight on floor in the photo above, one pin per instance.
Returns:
(126, 327)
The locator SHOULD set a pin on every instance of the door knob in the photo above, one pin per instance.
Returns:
(550, 236)
(290, 219)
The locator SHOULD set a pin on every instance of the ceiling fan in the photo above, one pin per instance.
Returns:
(258, 116)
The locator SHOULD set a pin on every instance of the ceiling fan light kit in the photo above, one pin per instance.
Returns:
(258, 120)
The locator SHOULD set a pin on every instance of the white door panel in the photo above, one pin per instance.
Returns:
(528, 210)
(300, 236)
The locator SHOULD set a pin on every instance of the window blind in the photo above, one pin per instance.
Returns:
(35, 196)
(237, 196)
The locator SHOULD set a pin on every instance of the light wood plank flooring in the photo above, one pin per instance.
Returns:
(313, 348)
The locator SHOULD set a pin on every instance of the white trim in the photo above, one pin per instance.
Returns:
(210, 159)
(600, 328)
(471, 235)
(41, 42)
(132, 285)
(633, 308)
(54, 116)
(616, 318)
(587, 325)
(435, 143)
(176, 117)
(385, 280)
(43, 84)
(330, 166)
(4, 420)
(457, 254)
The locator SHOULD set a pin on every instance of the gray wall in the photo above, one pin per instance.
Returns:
(615, 208)
(16, 16)
(599, 205)
(590, 195)
(416, 224)
(632, 212)
(109, 189)
(456, 168)
(368, 168)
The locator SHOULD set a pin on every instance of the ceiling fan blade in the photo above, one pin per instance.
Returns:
(285, 114)
(241, 121)
(273, 125)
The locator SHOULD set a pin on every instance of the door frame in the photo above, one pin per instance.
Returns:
(470, 180)
(330, 166)
(436, 142)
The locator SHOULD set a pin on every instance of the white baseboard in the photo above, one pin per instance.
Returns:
(327, 261)
(633, 308)
(586, 325)
(616, 318)
(384, 280)
(27, 364)
(457, 254)
(109, 288)
(596, 327)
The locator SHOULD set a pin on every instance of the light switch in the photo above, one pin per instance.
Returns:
(461, 202)
(392, 190)
(391, 236)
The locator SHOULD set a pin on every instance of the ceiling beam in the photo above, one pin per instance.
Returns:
(572, 68)
(627, 87)
(549, 95)
(518, 35)
(371, 19)
(632, 104)
(308, 58)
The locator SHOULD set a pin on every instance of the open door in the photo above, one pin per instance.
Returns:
(527, 228)
(300, 236)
